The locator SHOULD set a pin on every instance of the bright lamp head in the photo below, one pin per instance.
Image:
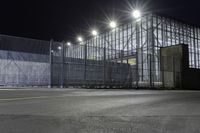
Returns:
(68, 43)
(80, 39)
(136, 14)
(113, 24)
(94, 32)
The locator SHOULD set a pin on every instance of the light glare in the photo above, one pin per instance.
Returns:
(136, 14)
(94, 32)
(113, 24)
(68, 43)
(80, 39)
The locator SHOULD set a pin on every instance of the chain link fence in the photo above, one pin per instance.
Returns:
(29, 62)
(23, 62)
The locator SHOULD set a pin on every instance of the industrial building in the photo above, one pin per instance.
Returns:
(130, 55)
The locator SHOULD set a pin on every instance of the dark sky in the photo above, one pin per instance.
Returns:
(65, 19)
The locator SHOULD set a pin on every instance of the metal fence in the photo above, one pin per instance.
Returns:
(75, 65)
(29, 62)
(141, 40)
(23, 62)
(23, 69)
(56, 64)
(128, 55)
(83, 65)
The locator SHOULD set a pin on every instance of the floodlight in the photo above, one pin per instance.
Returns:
(113, 24)
(80, 39)
(94, 32)
(136, 14)
(68, 43)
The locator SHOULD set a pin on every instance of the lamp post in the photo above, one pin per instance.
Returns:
(137, 15)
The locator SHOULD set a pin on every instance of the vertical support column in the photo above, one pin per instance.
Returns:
(190, 52)
(174, 72)
(122, 55)
(152, 56)
(150, 70)
(197, 48)
(137, 52)
(62, 66)
(127, 45)
(104, 66)
(162, 68)
(50, 63)
(142, 52)
(85, 62)
(194, 48)
(115, 49)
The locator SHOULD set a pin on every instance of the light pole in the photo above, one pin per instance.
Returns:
(50, 62)
(137, 15)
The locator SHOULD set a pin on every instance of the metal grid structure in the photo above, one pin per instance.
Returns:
(23, 62)
(74, 66)
(128, 55)
(138, 44)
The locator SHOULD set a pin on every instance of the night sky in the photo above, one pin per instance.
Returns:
(65, 19)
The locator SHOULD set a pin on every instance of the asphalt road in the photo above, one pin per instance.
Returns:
(99, 111)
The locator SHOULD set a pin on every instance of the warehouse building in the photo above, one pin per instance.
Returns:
(130, 55)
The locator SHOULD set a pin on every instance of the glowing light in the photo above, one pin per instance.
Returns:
(80, 39)
(113, 24)
(59, 47)
(94, 32)
(136, 14)
(68, 43)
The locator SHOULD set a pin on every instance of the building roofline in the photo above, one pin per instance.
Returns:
(176, 19)
(126, 22)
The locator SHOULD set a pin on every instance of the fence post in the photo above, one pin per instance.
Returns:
(104, 66)
(137, 27)
(173, 70)
(62, 65)
(163, 70)
(85, 63)
(50, 63)
(122, 56)
(150, 71)
(137, 68)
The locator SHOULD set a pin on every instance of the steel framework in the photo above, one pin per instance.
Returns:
(128, 55)
(138, 44)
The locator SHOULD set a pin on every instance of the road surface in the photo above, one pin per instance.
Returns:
(99, 111)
